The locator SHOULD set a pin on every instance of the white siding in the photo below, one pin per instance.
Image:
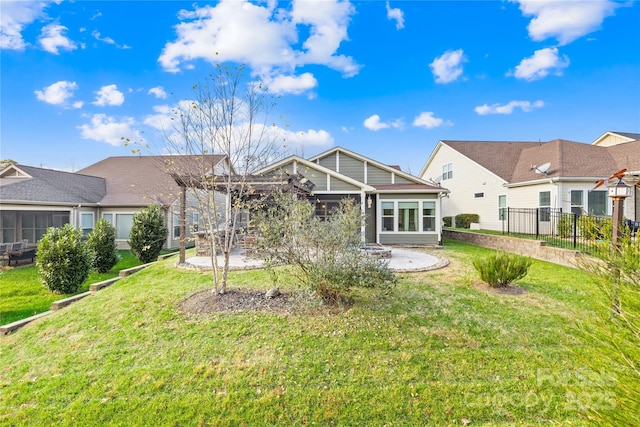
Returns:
(468, 179)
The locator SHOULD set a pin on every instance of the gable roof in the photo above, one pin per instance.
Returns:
(389, 168)
(515, 162)
(141, 180)
(21, 183)
(624, 136)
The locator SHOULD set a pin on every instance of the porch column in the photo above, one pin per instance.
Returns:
(363, 210)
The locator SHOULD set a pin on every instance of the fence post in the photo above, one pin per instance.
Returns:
(538, 223)
(575, 231)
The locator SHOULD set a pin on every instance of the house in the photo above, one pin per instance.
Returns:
(485, 177)
(399, 208)
(33, 199)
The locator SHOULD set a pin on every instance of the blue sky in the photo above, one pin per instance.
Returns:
(385, 79)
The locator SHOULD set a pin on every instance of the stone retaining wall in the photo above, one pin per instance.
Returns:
(533, 248)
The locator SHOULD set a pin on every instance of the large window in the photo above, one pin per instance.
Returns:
(86, 222)
(544, 204)
(122, 224)
(8, 226)
(502, 207)
(388, 214)
(428, 216)
(577, 203)
(447, 171)
(597, 203)
(408, 216)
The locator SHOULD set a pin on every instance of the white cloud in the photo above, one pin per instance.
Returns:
(427, 120)
(306, 138)
(109, 95)
(158, 91)
(264, 37)
(52, 38)
(565, 21)
(397, 15)
(58, 93)
(106, 129)
(373, 123)
(15, 16)
(448, 67)
(162, 119)
(543, 62)
(292, 84)
(525, 106)
(108, 40)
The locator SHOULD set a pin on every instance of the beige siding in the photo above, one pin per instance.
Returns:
(468, 179)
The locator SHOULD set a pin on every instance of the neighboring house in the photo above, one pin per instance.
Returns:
(484, 177)
(33, 199)
(400, 208)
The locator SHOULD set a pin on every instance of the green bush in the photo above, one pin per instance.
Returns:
(501, 269)
(64, 259)
(447, 221)
(593, 228)
(325, 256)
(148, 234)
(465, 220)
(565, 226)
(102, 243)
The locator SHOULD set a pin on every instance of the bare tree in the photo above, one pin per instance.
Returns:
(224, 135)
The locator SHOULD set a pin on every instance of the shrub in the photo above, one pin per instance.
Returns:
(102, 243)
(501, 269)
(447, 221)
(594, 228)
(565, 226)
(64, 259)
(325, 255)
(148, 234)
(465, 220)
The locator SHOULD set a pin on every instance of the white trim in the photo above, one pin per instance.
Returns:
(420, 223)
(366, 171)
(338, 161)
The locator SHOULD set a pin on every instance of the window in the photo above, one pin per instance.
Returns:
(196, 220)
(544, 204)
(176, 225)
(8, 226)
(447, 171)
(124, 222)
(502, 207)
(86, 222)
(576, 202)
(597, 203)
(478, 195)
(108, 217)
(387, 216)
(407, 216)
(428, 216)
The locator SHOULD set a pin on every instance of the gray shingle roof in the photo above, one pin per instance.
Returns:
(142, 180)
(51, 186)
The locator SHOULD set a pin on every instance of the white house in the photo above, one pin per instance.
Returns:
(486, 176)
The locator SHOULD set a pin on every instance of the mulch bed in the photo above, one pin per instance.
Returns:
(236, 299)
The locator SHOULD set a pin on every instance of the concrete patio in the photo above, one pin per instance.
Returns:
(402, 260)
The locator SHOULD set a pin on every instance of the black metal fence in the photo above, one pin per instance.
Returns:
(560, 229)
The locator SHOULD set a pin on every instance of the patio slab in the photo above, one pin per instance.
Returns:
(402, 260)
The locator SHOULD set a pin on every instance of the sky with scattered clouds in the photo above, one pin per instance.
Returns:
(387, 79)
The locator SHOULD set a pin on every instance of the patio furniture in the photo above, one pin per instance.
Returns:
(17, 251)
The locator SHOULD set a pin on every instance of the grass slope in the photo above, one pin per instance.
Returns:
(441, 350)
(22, 293)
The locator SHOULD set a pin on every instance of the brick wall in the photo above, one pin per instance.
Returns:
(533, 248)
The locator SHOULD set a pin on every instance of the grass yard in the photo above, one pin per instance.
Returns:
(23, 295)
(440, 350)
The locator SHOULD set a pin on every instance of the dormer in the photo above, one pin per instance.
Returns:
(14, 172)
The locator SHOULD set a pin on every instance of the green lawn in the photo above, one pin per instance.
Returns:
(440, 350)
(22, 293)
